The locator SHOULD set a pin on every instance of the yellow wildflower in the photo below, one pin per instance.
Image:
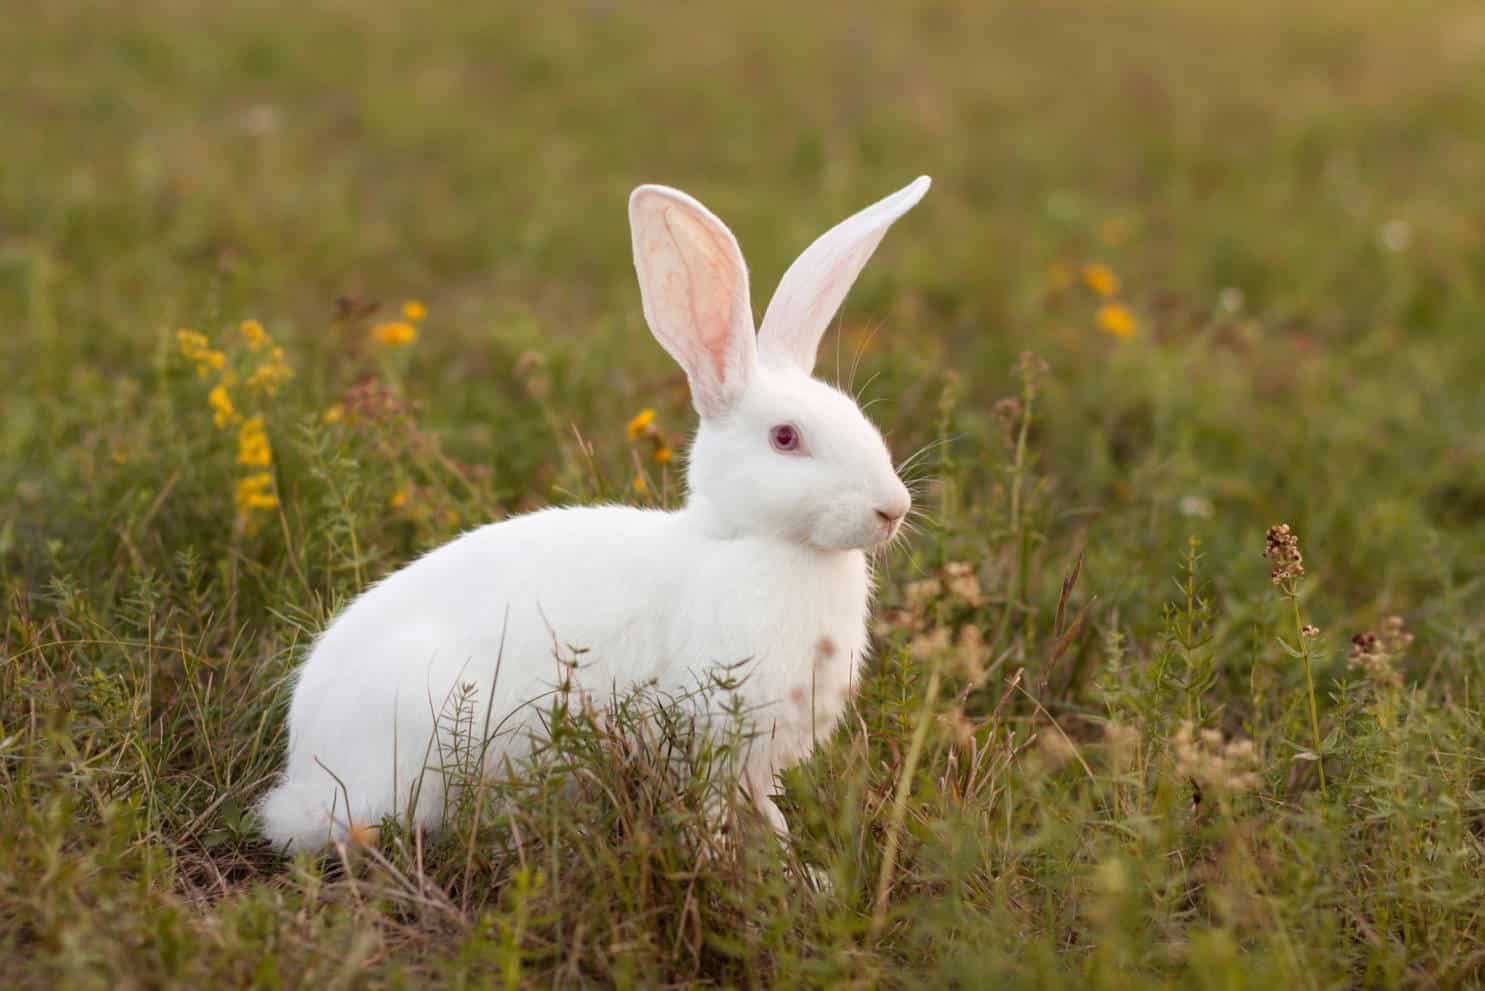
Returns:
(641, 424)
(640, 485)
(398, 500)
(191, 343)
(663, 455)
(222, 412)
(334, 414)
(413, 310)
(1100, 279)
(394, 335)
(194, 347)
(270, 375)
(255, 492)
(253, 450)
(1116, 321)
(253, 333)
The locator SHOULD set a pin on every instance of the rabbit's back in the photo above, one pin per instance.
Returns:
(391, 684)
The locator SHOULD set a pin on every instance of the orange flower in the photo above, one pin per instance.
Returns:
(394, 335)
(640, 425)
(1116, 321)
(1101, 279)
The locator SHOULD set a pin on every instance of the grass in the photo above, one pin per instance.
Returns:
(1091, 751)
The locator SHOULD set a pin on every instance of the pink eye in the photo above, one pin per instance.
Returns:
(784, 438)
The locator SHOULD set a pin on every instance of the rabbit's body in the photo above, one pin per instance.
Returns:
(373, 703)
(763, 571)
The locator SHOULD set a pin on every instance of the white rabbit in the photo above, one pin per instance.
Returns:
(788, 485)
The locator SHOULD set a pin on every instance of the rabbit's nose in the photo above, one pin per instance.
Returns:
(892, 509)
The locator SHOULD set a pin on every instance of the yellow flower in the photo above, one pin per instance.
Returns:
(220, 402)
(334, 414)
(253, 333)
(1059, 276)
(414, 310)
(663, 455)
(253, 450)
(640, 485)
(255, 492)
(1100, 279)
(1116, 321)
(394, 335)
(641, 424)
(193, 347)
(270, 375)
(191, 343)
(398, 500)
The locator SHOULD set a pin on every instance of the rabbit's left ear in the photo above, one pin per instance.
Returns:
(815, 285)
(694, 287)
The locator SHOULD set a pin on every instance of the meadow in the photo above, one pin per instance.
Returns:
(1180, 683)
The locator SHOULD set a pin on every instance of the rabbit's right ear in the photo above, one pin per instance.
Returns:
(695, 291)
(816, 284)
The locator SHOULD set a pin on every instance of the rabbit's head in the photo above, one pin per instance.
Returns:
(778, 453)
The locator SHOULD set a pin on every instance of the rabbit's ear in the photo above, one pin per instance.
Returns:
(816, 284)
(695, 291)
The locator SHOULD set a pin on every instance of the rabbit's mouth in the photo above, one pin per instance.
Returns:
(889, 523)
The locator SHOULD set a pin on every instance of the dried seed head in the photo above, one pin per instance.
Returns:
(926, 645)
(1230, 766)
(962, 583)
(1007, 410)
(1395, 636)
(970, 654)
(374, 402)
(1281, 545)
(961, 728)
(923, 591)
(1121, 736)
(1374, 654)
(1030, 367)
(895, 620)
(1054, 749)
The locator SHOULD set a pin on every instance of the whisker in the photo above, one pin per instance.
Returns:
(925, 450)
(861, 350)
(839, 327)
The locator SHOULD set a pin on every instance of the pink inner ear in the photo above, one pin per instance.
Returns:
(710, 307)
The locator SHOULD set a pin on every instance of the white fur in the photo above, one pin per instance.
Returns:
(765, 566)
